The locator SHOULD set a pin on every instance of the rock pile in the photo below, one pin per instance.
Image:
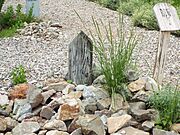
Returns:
(60, 108)
(45, 30)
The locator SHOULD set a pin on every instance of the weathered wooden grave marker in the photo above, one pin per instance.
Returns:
(168, 21)
(80, 59)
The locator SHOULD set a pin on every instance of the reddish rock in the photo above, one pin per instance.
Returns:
(68, 112)
(19, 91)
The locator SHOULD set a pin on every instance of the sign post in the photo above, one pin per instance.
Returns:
(168, 21)
(33, 4)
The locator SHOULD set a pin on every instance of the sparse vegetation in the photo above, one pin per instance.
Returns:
(18, 75)
(11, 20)
(141, 11)
(167, 102)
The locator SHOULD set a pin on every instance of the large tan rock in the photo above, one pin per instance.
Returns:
(137, 85)
(116, 123)
(56, 132)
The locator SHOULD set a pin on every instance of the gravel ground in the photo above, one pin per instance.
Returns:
(45, 58)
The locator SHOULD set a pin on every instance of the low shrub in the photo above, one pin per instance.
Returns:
(140, 10)
(167, 102)
(18, 75)
(13, 19)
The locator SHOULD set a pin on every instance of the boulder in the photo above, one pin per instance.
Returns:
(116, 123)
(59, 86)
(3, 99)
(77, 132)
(90, 105)
(132, 131)
(148, 125)
(69, 111)
(55, 125)
(91, 124)
(143, 115)
(46, 112)
(26, 128)
(141, 96)
(47, 94)
(3, 124)
(103, 103)
(137, 85)
(21, 107)
(163, 132)
(56, 132)
(151, 84)
(11, 123)
(34, 96)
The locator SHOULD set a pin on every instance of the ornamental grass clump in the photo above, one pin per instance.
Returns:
(113, 53)
(114, 58)
(167, 102)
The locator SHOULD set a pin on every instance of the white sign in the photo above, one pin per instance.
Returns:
(167, 17)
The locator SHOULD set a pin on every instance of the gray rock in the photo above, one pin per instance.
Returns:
(21, 107)
(88, 92)
(131, 75)
(90, 105)
(25, 116)
(142, 115)
(56, 86)
(26, 128)
(141, 96)
(34, 96)
(132, 131)
(11, 123)
(80, 87)
(42, 132)
(162, 132)
(47, 94)
(148, 125)
(56, 132)
(3, 99)
(99, 80)
(46, 112)
(151, 84)
(3, 124)
(138, 105)
(89, 124)
(77, 132)
(103, 103)
(55, 125)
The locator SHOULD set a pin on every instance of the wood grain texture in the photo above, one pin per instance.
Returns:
(161, 56)
(80, 59)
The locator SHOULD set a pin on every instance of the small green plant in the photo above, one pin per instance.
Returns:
(18, 75)
(11, 20)
(167, 102)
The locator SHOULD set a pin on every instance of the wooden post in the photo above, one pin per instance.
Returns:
(168, 21)
(80, 59)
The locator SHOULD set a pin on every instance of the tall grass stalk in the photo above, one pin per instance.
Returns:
(114, 54)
